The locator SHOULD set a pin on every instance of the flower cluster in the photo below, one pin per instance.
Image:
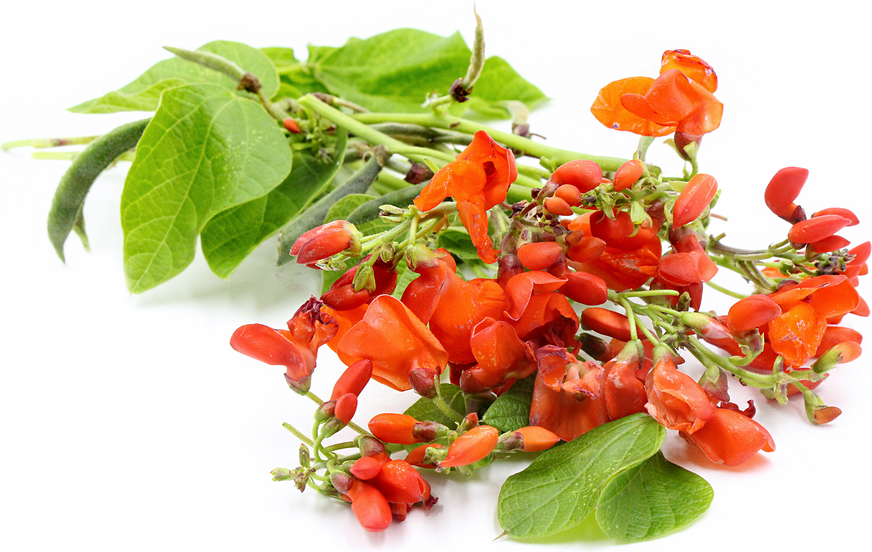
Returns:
(586, 294)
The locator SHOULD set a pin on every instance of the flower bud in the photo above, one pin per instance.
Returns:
(469, 422)
(394, 428)
(528, 439)
(471, 447)
(341, 481)
(418, 173)
(325, 411)
(346, 406)
(325, 241)
(423, 382)
(369, 446)
(281, 474)
(428, 431)
(840, 354)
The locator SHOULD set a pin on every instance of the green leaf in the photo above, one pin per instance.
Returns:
(651, 499)
(562, 486)
(498, 83)
(457, 241)
(397, 70)
(511, 410)
(205, 150)
(281, 56)
(345, 206)
(144, 93)
(424, 409)
(232, 235)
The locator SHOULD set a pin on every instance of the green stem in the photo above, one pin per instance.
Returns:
(725, 291)
(49, 142)
(297, 433)
(443, 406)
(547, 154)
(72, 155)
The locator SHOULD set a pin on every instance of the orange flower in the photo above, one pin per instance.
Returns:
(566, 401)
(396, 342)
(731, 438)
(452, 306)
(679, 100)
(478, 180)
(675, 399)
(294, 348)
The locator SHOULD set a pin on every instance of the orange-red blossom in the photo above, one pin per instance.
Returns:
(478, 179)
(680, 100)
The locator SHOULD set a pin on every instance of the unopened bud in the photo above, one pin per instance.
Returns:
(423, 382)
(281, 474)
(469, 422)
(839, 354)
(341, 481)
(428, 431)
(707, 327)
(364, 278)
(325, 411)
(418, 173)
(369, 446)
(305, 459)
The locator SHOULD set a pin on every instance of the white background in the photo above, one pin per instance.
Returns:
(129, 424)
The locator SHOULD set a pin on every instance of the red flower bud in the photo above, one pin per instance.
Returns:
(471, 447)
(353, 379)
(346, 406)
(369, 506)
(840, 211)
(368, 467)
(325, 241)
(581, 173)
(569, 194)
(394, 428)
(628, 173)
(535, 438)
(292, 126)
(558, 205)
(816, 229)
(607, 322)
(752, 312)
(783, 189)
(539, 255)
(694, 199)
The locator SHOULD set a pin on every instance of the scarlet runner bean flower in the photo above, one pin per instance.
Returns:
(782, 190)
(452, 306)
(731, 438)
(396, 342)
(675, 399)
(295, 348)
(680, 100)
(478, 180)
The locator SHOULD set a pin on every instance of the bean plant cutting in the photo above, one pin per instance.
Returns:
(531, 300)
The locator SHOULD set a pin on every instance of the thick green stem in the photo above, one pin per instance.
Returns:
(547, 154)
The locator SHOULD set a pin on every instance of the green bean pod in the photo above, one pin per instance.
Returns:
(70, 195)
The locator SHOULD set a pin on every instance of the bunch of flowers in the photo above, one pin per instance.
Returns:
(586, 298)
(547, 310)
